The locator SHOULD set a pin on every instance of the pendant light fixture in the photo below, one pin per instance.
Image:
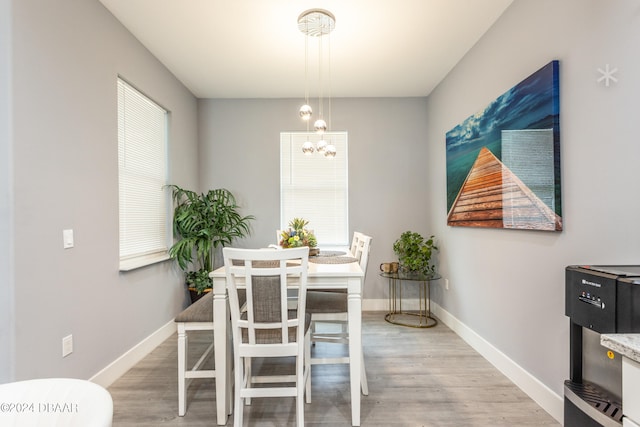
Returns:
(316, 23)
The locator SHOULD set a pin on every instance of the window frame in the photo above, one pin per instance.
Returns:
(146, 123)
(332, 231)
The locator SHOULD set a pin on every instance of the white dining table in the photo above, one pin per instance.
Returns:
(320, 276)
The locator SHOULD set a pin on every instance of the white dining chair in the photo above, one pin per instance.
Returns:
(331, 307)
(357, 236)
(265, 326)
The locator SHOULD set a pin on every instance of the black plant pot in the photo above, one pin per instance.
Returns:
(195, 296)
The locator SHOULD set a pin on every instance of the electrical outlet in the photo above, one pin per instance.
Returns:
(67, 345)
(446, 284)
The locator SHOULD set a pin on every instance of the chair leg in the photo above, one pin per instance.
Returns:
(182, 368)
(238, 407)
(247, 378)
(301, 364)
(363, 376)
(307, 366)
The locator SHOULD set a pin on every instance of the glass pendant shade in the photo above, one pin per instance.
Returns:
(307, 148)
(330, 151)
(320, 126)
(321, 145)
(306, 112)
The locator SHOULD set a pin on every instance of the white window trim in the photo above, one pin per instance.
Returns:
(291, 151)
(155, 253)
(143, 261)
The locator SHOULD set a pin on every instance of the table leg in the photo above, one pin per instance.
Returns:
(423, 304)
(221, 351)
(390, 297)
(428, 300)
(355, 345)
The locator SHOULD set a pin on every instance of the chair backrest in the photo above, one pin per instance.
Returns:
(265, 318)
(362, 249)
(354, 242)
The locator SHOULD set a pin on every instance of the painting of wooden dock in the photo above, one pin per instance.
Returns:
(503, 163)
(493, 196)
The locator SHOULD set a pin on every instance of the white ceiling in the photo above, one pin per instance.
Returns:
(253, 48)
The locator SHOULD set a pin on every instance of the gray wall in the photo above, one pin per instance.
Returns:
(66, 58)
(506, 285)
(240, 149)
(6, 266)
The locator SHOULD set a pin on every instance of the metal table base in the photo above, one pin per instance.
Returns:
(420, 318)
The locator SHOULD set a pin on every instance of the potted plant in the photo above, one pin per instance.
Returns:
(202, 223)
(414, 253)
(299, 235)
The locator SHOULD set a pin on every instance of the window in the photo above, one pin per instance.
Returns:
(142, 175)
(314, 187)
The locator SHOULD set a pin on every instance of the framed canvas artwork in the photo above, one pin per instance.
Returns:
(503, 163)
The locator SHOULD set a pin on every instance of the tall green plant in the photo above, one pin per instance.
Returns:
(203, 222)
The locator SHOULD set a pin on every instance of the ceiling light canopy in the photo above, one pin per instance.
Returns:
(316, 22)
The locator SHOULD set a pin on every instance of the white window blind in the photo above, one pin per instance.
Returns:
(142, 173)
(314, 187)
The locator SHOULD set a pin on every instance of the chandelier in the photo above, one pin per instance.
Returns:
(317, 23)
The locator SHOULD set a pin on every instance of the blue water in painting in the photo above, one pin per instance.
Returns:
(531, 104)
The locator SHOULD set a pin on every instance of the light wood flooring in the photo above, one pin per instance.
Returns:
(417, 377)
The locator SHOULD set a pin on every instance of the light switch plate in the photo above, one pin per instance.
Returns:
(67, 239)
(67, 345)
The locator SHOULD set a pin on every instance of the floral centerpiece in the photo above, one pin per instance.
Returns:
(298, 235)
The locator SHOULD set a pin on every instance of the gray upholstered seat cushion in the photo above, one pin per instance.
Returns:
(202, 310)
(326, 302)
(199, 311)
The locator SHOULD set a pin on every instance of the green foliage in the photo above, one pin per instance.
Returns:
(198, 280)
(298, 223)
(297, 235)
(202, 223)
(414, 252)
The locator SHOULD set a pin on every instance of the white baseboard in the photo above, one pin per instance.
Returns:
(375, 305)
(536, 390)
(383, 304)
(122, 364)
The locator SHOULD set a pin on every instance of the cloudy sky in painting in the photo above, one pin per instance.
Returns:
(519, 108)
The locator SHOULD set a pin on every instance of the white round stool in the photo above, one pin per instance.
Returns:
(59, 402)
